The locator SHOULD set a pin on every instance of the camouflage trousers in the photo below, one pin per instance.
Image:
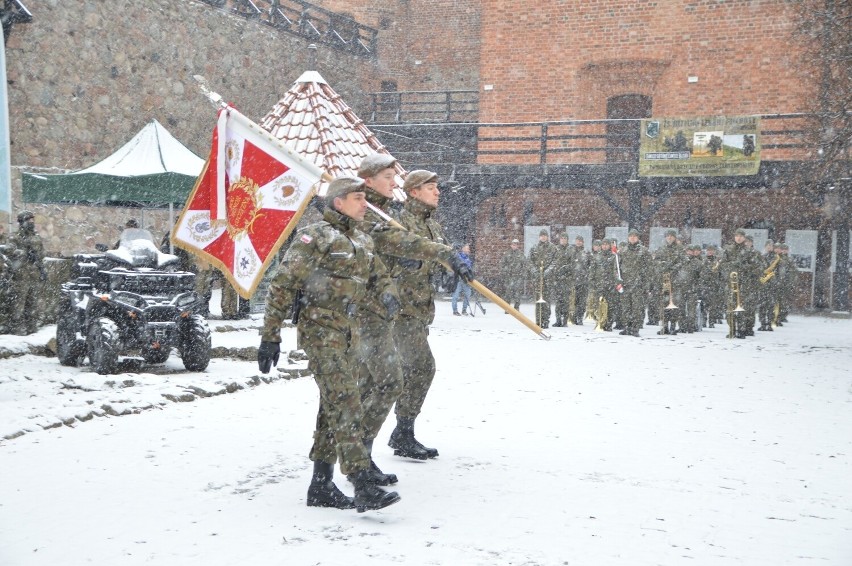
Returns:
(330, 340)
(513, 291)
(23, 298)
(230, 301)
(411, 337)
(380, 373)
(633, 308)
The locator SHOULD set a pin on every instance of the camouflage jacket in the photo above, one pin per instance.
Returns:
(669, 259)
(581, 259)
(745, 262)
(603, 275)
(333, 264)
(392, 244)
(788, 274)
(414, 277)
(636, 267)
(543, 258)
(563, 267)
(513, 266)
(25, 251)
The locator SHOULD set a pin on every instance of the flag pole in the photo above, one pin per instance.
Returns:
(479, 287)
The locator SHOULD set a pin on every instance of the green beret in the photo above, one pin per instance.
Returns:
(375, 163)
(342, 186)
(418, 178)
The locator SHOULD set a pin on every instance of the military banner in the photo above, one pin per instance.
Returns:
(698, 147)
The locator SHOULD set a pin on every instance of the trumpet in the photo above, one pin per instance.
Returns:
(667, 287)
(539, 304)
(735, 316)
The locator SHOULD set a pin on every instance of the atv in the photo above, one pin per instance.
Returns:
(129, 306)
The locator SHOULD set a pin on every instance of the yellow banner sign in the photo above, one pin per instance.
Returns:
(698, 147)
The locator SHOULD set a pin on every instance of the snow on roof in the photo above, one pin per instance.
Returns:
(153, 150)
(315, 122)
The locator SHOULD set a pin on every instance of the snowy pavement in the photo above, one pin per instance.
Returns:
(588, 449)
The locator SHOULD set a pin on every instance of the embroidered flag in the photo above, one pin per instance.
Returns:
(249, 197)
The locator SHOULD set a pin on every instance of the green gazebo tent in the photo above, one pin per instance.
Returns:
(152, 169)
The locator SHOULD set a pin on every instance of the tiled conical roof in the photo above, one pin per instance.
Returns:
(316, 123)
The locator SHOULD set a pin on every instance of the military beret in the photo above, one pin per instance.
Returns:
(342, 186)
(374, 164)
(633, 232)
(749, 237)
(24, 216)
(606, 241)
(739, 232)
(543, 232)
(563, 236)
(417, 178)
(711, 247)
(579, 237)
(671, 233)
(695, 247)
(596, 242)
(783, 247)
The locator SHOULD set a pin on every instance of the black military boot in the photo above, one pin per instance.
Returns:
(404, 444)
(368, 495)
(376, 475)
(323, 493)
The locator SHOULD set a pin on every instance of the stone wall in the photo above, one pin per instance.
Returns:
(84, 77)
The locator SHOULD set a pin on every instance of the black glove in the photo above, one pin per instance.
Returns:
(267, 355)
(460, 268)
(391, 303)
(410, 264)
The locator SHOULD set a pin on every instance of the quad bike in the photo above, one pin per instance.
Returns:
(131, 304)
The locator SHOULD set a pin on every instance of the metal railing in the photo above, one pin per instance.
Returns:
(400, 107)
(307, 20)
(782, 136)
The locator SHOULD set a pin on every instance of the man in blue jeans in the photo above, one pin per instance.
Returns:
(462, 287)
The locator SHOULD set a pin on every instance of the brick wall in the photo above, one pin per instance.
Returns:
(556, 59)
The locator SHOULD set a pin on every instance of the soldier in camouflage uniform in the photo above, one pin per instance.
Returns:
(563, 281)
(579, 259)
(26, 256)
(636, 271)
(332, 267)
(411, 328)
(543, 263)
(690, 283)
(737, 259)
(788, 275)
(669, 260)
(380, 373)
(768, 290)
(750, 281)
(513, 269)
(607, 282)
(5, 274)
(711, 288)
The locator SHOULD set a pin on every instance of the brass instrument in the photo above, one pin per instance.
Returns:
(539, 304)
(603, 314)
(716, 265)
(769, 272)
(590, 306)
(735, 316)
(667, 286)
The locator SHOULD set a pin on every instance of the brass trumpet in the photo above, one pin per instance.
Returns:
(539, 304)
(603, 315)
(667, 287)
(735, 328)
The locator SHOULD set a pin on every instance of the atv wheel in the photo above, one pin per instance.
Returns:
(195, 343)
(101, 344)
(69, 349)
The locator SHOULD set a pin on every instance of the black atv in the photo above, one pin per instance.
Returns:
(131, 305)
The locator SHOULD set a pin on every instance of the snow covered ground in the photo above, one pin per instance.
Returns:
(589, 449)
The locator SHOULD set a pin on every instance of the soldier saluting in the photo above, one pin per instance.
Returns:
(332, 265)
